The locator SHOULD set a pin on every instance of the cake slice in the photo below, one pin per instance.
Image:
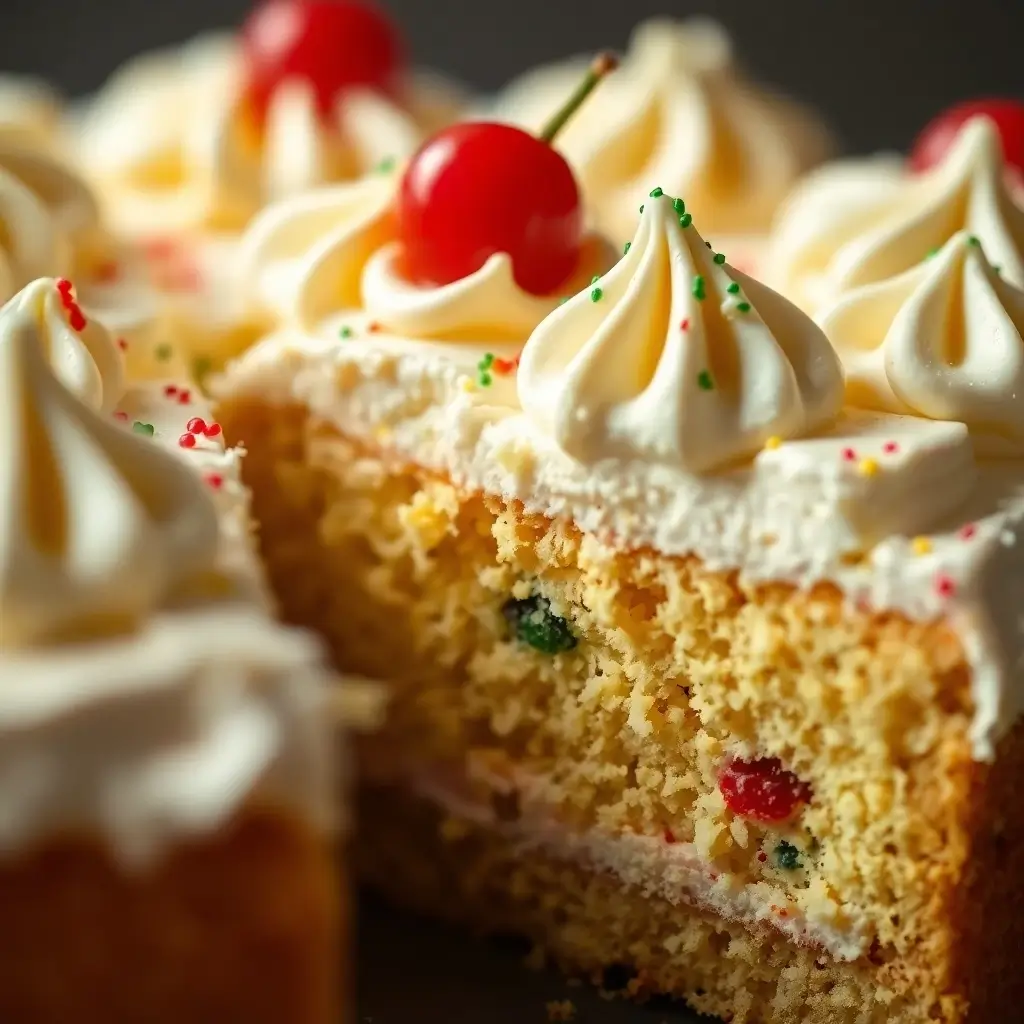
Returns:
(167, 776)
(705, 679)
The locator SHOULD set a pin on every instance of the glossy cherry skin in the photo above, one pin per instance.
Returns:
(762, 790)
(332, 45)
(934, 142)
(477, 189)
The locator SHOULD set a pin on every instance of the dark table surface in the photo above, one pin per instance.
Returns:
(413, 971)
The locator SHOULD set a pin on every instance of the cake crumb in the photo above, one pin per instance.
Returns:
(563, 1009)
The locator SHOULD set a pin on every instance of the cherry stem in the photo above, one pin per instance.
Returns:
(603, 64)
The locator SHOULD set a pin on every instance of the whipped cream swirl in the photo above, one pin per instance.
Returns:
(861, 222)
(678, 112)
(97, 526)
(173, 144)
(335, 249)
(945, 341)
(675, 357)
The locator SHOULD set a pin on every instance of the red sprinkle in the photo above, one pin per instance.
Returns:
(184, 396)
(213, 430)
(373, 327)
(215, 480)
(945, 585)
(849, 455)
(890, 447)
(64, 287)
(170, 390)
(685, 325)
(187, 440)
(669, 837)
(77, 318)
(504, 366)
(123, 416)
(762, 790)
(967, 531)
(122, 344)
(762, 856)
(196, 425)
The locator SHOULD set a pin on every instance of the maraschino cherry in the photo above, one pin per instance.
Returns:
(1007, 115)
(762, 790)
(481, 188)
(332, 45)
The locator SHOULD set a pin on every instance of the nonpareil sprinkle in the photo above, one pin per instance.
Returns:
(733, 289)
(345, 332)
(533, 623)
(626, 248)
(787, 856)
(657, 193)
(719, 258)
(679, 206)
(698, 288)
(686, 220)
(146, 429)
(596, 295)
(704, 381)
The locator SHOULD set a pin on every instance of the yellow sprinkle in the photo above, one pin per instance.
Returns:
(868, 467)
(773, 442)
(921, 545)
(467, 384)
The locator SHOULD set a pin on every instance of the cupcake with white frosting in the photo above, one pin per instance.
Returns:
(158, 728)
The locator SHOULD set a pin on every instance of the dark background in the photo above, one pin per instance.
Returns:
(878, 68)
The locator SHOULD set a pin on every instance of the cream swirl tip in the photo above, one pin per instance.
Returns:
(98, 526)
(674, 357)
(944, 341)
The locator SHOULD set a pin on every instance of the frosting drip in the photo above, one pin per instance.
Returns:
(674, 357)
(335, 249)
(944, 340)
(858, 224)
(677, 112)
(97, 526)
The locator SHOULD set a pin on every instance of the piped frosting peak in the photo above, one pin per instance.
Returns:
(98, 527)
(854, 225)
(944, 340)
(675, 357)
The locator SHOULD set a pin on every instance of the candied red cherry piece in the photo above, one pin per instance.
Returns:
(762, 790)
(476, 189)
(333, 45)
(934, 142)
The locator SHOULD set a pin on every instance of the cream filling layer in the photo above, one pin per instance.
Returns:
(675, 872)
(894, 510)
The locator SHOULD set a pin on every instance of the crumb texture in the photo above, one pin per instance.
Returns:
(243, 926)
(620, 684)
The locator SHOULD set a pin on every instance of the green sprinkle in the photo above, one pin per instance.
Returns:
(657, 193)
(201, 367)
(564, 299)
(387, 165)
(485, 380)
(595, 279)
(997, 268)
(743, 307)
(931, 253)
(163, 352)
(679, 206)
(787, 856)
(973, 240)
(146, 429)
(641, 207)
(686, 220)
(733, 289)
(719, 258)
(345, 332)
(533, 623)
(487, 362)
(698, 288)
(596, 294)
(704, 381)
(626, 248)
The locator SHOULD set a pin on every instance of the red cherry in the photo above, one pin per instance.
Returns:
(762, 790)
(477, 189)
(934, 142)
(332, 44)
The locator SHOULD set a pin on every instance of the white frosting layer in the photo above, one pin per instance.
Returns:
(943, 340)
(674, 357)
(860, 222)
(677, 113)
(844, 506)
(173, 146)
(675, 872)
(163, 737)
